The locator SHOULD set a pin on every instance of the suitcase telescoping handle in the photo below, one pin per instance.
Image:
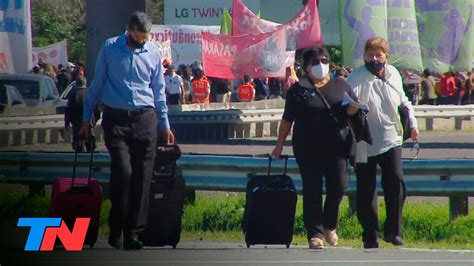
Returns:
(75, 161)
(270, 164)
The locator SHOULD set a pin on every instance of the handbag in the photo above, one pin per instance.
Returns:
(345, 133)
(403, 113)
(406, 124)
(360, 126)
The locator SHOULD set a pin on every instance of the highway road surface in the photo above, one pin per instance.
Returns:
(235, 253)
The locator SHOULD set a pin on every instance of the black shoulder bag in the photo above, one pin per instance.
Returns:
(345, 133)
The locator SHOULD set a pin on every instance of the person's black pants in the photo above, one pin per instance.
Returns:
(174, 99)
(428, 101)
(131, 139)
(315, 218)
(394, 190)
(79, 144)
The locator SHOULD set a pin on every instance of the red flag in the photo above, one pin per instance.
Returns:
(302, 30)
(244, 21)
(232, 57)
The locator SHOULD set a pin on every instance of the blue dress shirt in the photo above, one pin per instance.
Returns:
(128, 79)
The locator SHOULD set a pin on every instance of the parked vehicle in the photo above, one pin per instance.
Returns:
(36, 90)
(10, 96)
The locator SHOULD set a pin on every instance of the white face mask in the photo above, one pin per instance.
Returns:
(319, 71)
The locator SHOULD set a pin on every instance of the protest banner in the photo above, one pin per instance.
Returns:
(446, 30)
(421, 34)
(232, 57)
(165, 48)
(302, 31)
(54, 54)
(15, 36)
(185, 40)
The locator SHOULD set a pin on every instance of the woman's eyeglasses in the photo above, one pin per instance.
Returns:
(322, 60)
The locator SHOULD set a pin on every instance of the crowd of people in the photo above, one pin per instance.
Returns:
(432, 88)
(61, 74)
(448, 88)
(187, 84)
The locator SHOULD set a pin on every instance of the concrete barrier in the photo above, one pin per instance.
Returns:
(458, 112)
(201, 122)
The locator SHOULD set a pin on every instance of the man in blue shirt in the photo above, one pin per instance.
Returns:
(129, 82)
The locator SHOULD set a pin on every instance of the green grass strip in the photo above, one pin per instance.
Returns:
(217, 216)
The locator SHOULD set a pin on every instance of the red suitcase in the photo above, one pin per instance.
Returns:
(78, 197)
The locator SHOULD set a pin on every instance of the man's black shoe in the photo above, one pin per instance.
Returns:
(132, 244)
(371, 244)
(395, 240)
(131, 241)
(115, 242)
(115, 236)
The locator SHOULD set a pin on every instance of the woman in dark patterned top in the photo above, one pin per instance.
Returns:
(316, 146)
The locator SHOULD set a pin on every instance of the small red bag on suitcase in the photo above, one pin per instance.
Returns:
(73, 198)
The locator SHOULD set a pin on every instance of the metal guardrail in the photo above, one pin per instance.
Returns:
(215, 121)
(449, 178)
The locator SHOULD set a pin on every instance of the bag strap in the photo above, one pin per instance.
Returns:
(326, 103)
(402, 106)
(388, 83)
(385, 81)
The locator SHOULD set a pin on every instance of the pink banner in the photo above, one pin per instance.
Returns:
(302, 30)
(232, 57)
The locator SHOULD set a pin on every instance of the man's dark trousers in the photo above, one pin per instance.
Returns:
(130, 137)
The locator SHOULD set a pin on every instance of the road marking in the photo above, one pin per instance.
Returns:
(264, 262)
(439, 250)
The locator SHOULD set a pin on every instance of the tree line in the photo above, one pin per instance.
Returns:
(56, 20)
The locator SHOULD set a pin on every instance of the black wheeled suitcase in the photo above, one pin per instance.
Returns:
(167, 193)
(269, 208)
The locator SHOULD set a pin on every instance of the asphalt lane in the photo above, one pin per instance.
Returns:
(433, 144)
(235, 253)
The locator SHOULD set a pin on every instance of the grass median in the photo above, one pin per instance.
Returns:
(217, 217)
